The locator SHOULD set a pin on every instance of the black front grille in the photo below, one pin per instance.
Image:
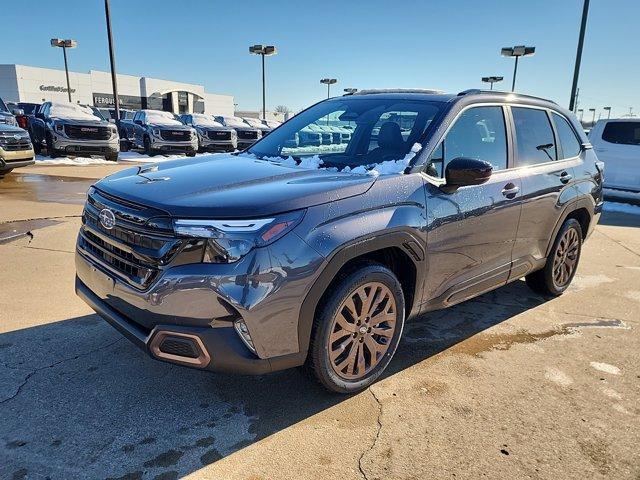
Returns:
(176, 135)
(136, 248)
(248, 134)
(16, 146)
(219, 135)
(87, 132)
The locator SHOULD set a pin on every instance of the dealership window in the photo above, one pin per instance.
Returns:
(478, 133)
(623, 133)
(568, 142)
(534, 136)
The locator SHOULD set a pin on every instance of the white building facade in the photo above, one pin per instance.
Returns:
(20, 83)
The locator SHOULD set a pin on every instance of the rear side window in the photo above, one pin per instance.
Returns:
(534, 136)
(570, 146)
(477, 133)
(624, 133)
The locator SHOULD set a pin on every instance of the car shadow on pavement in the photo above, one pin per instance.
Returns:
(79, 401)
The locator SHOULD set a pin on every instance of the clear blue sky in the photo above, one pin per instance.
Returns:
(377, 43)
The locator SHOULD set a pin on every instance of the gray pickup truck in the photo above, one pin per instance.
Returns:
(247, 135)
(156, 132)
(69, 129)
(212, 136)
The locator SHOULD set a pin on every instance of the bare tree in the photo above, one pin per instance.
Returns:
(283, 109)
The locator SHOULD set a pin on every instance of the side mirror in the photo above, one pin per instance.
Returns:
(17, 111)
(463, 171)
(138, 122)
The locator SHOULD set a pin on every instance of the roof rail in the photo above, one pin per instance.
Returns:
(369, 91)
(476, 91)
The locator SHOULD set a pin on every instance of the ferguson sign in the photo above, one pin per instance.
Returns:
(53, 88)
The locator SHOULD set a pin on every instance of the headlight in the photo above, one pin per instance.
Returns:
(229, 240)
(156, 132)
(58, 127)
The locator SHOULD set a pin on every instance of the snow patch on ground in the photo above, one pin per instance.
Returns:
(605, 367)
(621, 208)
(122, 157)
(557, 376)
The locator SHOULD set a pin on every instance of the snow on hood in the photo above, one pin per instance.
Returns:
(162, 118)
(71, 111)
(388, 167)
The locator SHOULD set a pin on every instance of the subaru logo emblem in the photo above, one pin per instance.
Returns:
(107, 218)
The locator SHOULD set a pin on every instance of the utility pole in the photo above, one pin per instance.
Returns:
(576, 70)
(112, 59)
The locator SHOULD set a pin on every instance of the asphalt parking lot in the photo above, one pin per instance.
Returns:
(509, 385)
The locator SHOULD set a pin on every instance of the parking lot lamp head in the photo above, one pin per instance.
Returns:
(608, 109)
(64, 44)
(517, 52)
(263, 51)
(328, 82)
(350, 91)
(492, 80)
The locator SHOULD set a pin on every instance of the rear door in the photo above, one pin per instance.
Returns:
(618, 146)
(547, 169)
(472, 230)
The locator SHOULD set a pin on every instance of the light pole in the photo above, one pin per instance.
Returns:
(492, 80)
(263, 51)
(112, 60)
(328, 82)
(576, 69)
(593, 122)
(64, 44)
(517, 51)
(608, 109)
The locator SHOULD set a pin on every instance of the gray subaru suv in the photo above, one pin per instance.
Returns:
(286, 255)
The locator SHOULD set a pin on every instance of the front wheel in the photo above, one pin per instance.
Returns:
(357, 329)
(558, 272)
(53, 153)
(111, 157)
(147, 147)
(5, 172)
(191, 154)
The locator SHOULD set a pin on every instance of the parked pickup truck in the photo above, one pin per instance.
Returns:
(247, 135)
(212, 136)
(155, 132)
(65, 128)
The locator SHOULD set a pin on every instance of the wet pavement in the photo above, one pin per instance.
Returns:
(509, 385)
(45, 188)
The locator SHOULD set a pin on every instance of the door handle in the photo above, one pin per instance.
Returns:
(565, 177)
(510, 190)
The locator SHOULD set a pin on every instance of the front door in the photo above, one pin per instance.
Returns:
(471, 231)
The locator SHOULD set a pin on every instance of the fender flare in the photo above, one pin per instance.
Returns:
(402, 239)
(572, 206)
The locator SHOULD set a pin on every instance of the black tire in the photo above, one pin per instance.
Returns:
(52, 152)
(191, 154)
(147, 147)
(111, 157)
(37, 147)
(124, 143)
(546, 281)
(5, 172)
(319, 362)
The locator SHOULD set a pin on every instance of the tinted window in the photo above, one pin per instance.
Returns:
(477, 133)
(625, 133)
(569, 143)
(534, 136)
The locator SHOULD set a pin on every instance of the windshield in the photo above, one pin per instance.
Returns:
(233, 122)
(254, 122)
(352, 132)
(159, 117)
(72, 111)
(204, 121)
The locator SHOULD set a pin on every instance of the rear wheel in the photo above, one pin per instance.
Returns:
(562, 262)
(357, 329)
(53, 153)
(124, 143)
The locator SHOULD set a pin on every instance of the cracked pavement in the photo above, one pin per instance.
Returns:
(509, 385)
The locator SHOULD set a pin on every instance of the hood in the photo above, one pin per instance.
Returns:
(221, 128)
(77, 121)
(4, 128)
(227, 186)
(169, 126)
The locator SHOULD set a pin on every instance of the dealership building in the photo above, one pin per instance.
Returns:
(20, 83)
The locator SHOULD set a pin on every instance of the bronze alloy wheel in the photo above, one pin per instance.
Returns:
(362, 330)
(566, 257)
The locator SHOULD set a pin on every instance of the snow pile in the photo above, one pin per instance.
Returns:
(122, 157)
(308, 163)
(621, 208)
(388, 167)
(158, 117)
(40, 160)
(71, 111)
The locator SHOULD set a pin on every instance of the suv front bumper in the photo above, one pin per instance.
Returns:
(217, 145)
(10, 159)
(88, 147)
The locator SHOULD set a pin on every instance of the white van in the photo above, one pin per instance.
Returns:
(617, 144)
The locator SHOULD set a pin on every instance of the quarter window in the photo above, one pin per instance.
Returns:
(534, 136)
(477, 133)
(569, 143)
(623, 133)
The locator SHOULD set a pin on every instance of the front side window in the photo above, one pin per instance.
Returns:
(352, 131)
(569, 143)
(478, 133)
(534, 136)
(623, 133)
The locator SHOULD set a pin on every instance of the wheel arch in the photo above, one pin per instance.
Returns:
(400, 251)
(580, 209)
